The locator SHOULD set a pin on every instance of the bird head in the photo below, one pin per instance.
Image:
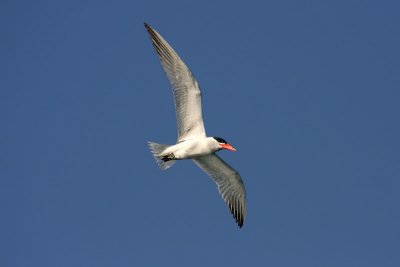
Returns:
(223, 144)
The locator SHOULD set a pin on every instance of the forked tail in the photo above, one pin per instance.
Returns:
(162, 161)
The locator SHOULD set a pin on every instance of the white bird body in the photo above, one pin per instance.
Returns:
(192, 148)
(193, 142)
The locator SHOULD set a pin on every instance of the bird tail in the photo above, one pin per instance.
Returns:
(164, 162)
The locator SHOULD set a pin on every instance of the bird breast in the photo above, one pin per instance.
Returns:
(192, 148)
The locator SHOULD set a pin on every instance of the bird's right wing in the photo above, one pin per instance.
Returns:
(186, 90)
(230, 184)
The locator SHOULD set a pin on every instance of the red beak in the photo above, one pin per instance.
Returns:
(228, 146)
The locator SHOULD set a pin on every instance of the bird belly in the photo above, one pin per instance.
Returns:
(189, 149)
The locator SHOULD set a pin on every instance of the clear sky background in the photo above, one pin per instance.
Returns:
(307, 91)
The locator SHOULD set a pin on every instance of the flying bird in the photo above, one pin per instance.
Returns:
(193, 143)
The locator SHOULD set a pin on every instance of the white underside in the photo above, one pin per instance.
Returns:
(192, 148)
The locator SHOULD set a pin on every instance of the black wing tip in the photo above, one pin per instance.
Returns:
(239, 217)
(148, 27)
(239, 221)
(153, 35)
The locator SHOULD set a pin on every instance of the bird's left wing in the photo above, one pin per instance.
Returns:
(230, 184)
(187, 94)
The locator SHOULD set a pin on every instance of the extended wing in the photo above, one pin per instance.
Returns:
(186, 90)
(230, 184)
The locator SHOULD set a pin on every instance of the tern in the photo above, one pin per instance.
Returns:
(193, 143)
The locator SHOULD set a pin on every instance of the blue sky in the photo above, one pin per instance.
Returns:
(307, 91)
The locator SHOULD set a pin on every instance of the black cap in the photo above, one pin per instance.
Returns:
(220, 140)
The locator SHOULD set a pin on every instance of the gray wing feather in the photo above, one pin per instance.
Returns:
(187, 94)
(230, 184)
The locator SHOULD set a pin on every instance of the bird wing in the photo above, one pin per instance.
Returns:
(186, 90)
(230, 184)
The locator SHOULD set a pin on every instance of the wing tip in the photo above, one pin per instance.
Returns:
(239, 216)
(148, 28)
(239, 219)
